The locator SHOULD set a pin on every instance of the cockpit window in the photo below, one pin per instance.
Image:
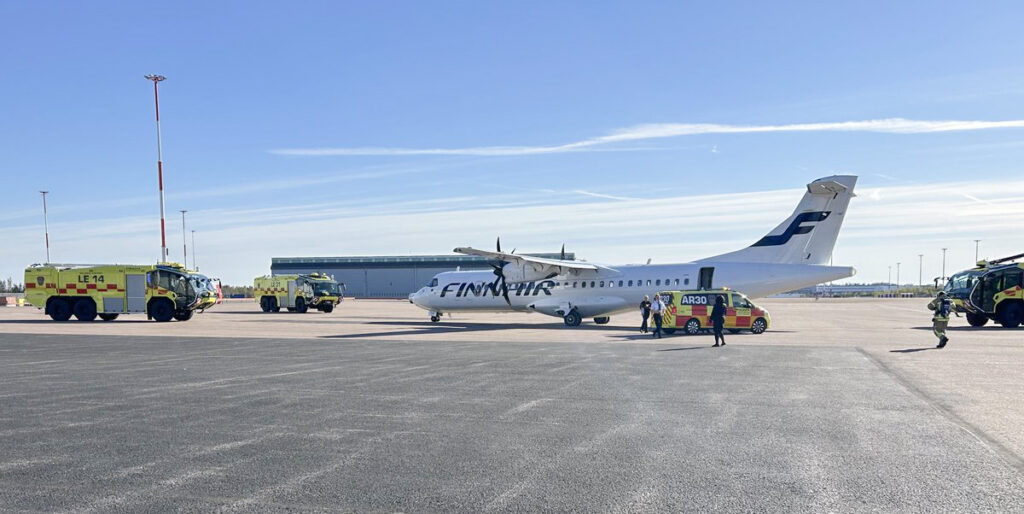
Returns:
(433, 283)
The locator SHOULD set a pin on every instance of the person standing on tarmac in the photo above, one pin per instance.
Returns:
(940, 320)
(657, 309)
(718, 319)
(645, 311)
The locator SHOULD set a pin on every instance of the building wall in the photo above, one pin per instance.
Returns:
(385, 276)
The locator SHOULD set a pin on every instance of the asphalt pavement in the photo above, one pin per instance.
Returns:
(136, 424)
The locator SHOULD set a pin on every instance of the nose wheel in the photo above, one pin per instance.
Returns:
(435, 316)
(572, 319)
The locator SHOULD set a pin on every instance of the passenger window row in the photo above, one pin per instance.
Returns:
(630, 283)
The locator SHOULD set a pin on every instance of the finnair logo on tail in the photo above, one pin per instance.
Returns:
(794, 228)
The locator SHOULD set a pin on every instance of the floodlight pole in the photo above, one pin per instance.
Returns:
(46, 227)
(897, 276)
(976, 243)
(184, 245)
(920, 266)
(159, 165)
(194, 264)
(944, 264)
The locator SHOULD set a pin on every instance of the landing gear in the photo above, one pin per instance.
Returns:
(602, 320)
(573, 319)
(435, 316)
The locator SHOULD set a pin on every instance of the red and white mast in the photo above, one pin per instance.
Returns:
(159, 166)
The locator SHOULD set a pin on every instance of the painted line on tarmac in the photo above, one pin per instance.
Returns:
(999, 449)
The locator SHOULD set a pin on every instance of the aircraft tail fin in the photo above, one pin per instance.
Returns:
(808, 236)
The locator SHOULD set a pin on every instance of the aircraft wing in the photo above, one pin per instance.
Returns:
(538, 264)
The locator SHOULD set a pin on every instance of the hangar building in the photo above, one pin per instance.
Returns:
(385, 276)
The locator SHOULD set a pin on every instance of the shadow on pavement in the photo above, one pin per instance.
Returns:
(681, 348)
(912, 350)
(444, 327)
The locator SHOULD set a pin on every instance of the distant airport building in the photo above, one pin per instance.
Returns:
(385, 276)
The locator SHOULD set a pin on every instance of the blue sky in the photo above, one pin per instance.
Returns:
(258, 92)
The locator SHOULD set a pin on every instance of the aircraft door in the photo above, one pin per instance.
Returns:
(706, 275)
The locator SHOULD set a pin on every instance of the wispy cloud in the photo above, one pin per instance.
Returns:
(667, 130)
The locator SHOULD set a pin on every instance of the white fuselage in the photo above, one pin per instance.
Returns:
(608, 291)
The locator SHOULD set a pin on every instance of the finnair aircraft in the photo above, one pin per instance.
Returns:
(793, 255)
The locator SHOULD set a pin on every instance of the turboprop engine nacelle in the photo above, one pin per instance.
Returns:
(515, 274)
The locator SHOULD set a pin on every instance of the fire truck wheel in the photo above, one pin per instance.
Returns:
(1012, 315)
(602, 320)
(60, 309)
(184, 316)
(692, 326)
(161, 309)
(328, 307)
(300, 305)
(976, 320)
(108, 316)
(85, 309)
(265, 304)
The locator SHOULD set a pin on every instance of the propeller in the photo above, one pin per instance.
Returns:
(498, 271)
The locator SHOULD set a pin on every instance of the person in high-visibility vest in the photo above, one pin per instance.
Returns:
(940, 320)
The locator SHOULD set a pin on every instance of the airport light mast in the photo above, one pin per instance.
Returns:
(46, 227)
(159, 165)
(976, 244)
(920, 273)
(194, 263)
(944, 265)
(184, 245)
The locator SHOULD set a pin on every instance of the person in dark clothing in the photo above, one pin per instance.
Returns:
(657, 311)
(645, 311)
(718, 319)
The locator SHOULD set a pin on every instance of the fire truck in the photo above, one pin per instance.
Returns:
(163, 292)
(297, 293)
(990, 291)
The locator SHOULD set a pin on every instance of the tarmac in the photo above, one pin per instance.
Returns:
(843, 405)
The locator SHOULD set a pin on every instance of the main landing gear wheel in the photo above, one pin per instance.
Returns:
(573, 319)
(976, 320)
(692, 326)
(602, 320)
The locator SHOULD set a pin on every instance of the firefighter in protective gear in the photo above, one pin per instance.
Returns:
(940, 320)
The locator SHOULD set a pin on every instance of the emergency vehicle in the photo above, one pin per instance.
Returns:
(163, 291)
(297, 293)
(992, 290)
(690, 311)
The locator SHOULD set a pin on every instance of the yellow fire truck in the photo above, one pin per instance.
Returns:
(163, 291)
(297, 293)
(992, 290)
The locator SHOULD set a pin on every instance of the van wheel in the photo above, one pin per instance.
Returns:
(85, 309)
(602, 320)
(161, 310)
(1011, 315)
(759, 326)
(60, 309)
(108, 316)
(976, 320)
(692, 326)
(184, 316)
(573, 319)
(300, 305)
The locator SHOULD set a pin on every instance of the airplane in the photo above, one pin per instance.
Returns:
(794, 254)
